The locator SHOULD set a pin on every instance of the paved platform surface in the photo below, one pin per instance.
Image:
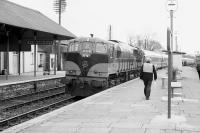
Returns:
(123, 109)
(28, 77)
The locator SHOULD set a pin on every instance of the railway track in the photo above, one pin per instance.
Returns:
(9, 122)
(31, 94)
(26, 106)
(20, 104)
(15, 106)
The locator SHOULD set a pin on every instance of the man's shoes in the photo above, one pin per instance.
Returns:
(147, 98)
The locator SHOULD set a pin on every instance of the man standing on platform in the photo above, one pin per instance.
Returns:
(198, 69)
(147, 73)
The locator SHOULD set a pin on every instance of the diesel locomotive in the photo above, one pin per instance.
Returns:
(94, 64)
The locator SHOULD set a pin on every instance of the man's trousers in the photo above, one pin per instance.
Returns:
(147, 88)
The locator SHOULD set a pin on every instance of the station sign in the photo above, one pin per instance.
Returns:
(172, 5)
(39, 42)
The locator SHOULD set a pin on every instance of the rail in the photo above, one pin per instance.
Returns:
(31, 101)
(17, 119)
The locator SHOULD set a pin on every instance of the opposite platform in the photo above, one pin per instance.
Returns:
(28, 77)
(123, 109)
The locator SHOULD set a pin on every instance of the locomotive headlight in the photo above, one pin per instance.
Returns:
(72, 72)
(85, 55)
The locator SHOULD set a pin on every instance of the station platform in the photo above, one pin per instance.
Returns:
(123, 109)
(28, 77)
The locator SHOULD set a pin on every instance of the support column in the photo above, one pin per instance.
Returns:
(7, 54)
(56, 52)
(35, 37)
(59, 56)
(19, 57)
(55, 59)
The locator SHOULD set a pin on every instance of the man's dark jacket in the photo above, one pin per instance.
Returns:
(198, 67)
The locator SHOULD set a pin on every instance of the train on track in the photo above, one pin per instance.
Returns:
(188, 62)
(160, 60)
(94, 64)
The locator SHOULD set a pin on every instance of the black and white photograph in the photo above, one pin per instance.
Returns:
(99, 66)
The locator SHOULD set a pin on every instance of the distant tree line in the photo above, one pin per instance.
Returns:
(145, 42)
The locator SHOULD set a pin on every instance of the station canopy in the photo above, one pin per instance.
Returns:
(25, 24)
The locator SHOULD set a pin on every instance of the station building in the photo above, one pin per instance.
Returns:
(28, 40)
(44, 57)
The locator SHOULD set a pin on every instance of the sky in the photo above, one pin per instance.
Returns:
(127, 18)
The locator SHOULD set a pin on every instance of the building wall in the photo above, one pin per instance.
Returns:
(27, 61)
(13, 62)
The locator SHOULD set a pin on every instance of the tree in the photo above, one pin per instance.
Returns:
(145, 42)
(135, 41)
(154, 45)
(131, 41)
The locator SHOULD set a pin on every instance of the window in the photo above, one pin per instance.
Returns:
(112, 51)
(41, 60)
(118, 52)
(73, 47)
(101, 48)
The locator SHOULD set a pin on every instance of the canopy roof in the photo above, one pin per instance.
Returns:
(26, 21)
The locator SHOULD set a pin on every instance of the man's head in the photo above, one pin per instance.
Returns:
(148, 60)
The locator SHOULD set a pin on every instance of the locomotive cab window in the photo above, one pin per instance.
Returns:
(73, 47)
(111, 51)
(135, 52)
(101, 48)
(118, 52)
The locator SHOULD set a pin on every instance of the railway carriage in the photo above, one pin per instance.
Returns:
(93, 64)
(159, 60)
(188, 62)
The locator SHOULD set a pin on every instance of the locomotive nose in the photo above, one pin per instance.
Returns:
(84, 63)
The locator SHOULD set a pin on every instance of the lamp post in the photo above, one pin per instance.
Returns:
(171, 7)
(169, 71)
(176, 40)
